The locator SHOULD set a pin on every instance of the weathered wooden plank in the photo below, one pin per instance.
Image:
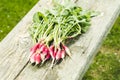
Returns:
(84, 49)
(14, 49)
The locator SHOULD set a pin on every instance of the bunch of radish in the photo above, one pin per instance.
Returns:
(52, 28)
(40, 52)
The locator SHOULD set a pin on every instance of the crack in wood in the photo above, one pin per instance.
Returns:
(21, 71)
(85, 50)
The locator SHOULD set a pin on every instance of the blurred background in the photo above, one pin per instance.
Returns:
(106, 64)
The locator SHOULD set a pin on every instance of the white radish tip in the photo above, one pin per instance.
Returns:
(31, 53)
(62, 54)
(32, 60)
(42, 56)
(37, 62)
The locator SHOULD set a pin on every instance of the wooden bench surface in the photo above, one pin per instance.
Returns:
(14, 48)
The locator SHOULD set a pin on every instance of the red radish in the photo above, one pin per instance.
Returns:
(42, 56)
(41, 44)
(32, 58)
(37, 58)
(34, 48)
(67, 50)
(37, 51)
(43, 47)
(51, 51)
(58, 54)
(47, 56)
(62, 53)
(45, 51)
(55, 52)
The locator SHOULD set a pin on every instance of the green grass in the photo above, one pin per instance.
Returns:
(104, 67)
(11, 12)
(106, 64)
(113, 39)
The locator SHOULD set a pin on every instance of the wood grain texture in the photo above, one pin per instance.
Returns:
(14, 49)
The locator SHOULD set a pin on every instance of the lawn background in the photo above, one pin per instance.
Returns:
(106, 64)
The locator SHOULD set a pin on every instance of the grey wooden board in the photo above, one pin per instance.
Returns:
(14, 49)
